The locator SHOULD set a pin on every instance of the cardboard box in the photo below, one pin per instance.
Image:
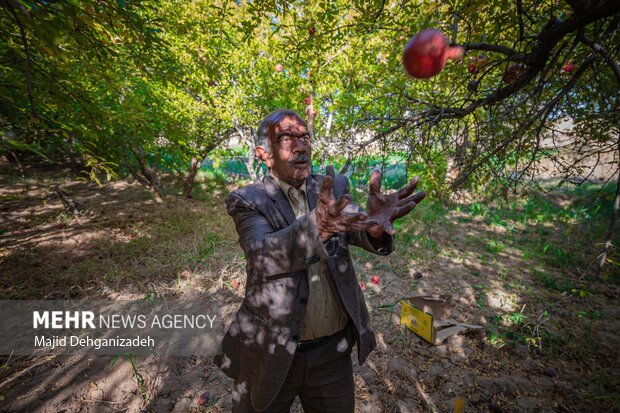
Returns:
(429, 318)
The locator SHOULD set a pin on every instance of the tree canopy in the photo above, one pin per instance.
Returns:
(140, 86)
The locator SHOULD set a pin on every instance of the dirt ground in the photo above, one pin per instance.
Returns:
(123, 244)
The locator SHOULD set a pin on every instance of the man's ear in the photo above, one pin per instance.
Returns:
(264, 156)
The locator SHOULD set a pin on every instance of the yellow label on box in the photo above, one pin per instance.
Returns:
(417, 321)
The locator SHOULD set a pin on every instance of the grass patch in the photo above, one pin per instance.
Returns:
(495, 246)
(530, 330)
(553, 282)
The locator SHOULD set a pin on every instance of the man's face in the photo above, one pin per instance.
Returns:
(289, 158)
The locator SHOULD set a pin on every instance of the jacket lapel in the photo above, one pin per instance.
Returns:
(279, 199)
(312, 189)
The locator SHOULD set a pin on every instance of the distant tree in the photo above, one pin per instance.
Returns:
(56, 58)
(116, 87)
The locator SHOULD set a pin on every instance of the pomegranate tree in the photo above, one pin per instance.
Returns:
(427, 52)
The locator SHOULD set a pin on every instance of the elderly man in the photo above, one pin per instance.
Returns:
(303, 308)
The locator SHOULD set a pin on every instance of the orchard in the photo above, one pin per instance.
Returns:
(125, 124)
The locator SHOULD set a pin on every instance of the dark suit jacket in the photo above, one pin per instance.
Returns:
(261, 341)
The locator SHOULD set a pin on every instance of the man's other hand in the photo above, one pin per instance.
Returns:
(385, 209)
(330, 215)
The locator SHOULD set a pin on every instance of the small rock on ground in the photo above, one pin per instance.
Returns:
(528, 404)
(402, 368)
(406, 406)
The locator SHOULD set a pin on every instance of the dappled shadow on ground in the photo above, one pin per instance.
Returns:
(551, 333)
(41, 243)
(122, 245)
(550, 341)
(121, 240)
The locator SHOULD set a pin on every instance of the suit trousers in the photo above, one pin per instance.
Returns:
(321, 375)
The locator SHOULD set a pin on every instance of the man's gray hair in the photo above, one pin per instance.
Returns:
(269, 122)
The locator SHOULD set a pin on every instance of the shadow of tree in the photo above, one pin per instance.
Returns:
(491, 272)
(497, 275)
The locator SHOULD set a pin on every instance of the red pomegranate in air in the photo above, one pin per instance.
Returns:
(279, 67)
(427, 52)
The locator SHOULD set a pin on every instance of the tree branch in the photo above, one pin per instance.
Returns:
(535, 60)
(487, 47)
(520, 17)
(602, 51)
(22, 33)
(468, 171)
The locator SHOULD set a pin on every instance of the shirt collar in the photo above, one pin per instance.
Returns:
(285, 186)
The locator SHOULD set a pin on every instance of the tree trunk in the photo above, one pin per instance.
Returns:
(455, 164)
(27, 73)
(248, 138)
(347, 165)
(250, 161)
(327, 141)
(76, 164)
(19, 164)
(310, 117)
(614, 217)
(151, 180)
(194, 166)
(188, 185)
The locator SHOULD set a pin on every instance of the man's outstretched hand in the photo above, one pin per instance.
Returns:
(385, 209)
(330, 215)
